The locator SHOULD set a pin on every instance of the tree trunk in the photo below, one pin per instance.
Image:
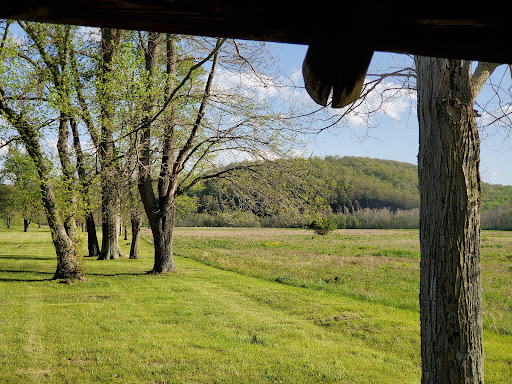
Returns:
(448, 166)
(26, 225)
(110, 249)
(136, 221)
(90, 225)
(110, 45)
(67, 265)
(68, 176)
(162, 227)
(92, 238)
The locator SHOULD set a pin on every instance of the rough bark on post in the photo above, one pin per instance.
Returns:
(448, 166)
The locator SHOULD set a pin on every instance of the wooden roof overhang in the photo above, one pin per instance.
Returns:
(341, 36)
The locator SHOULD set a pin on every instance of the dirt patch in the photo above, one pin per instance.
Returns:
(35, 371)
(79, 360)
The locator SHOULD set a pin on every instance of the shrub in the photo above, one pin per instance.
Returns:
(323, 225)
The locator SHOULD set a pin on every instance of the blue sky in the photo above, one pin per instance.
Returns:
(396, 137)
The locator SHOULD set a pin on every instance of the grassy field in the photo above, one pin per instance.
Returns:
(247, 306)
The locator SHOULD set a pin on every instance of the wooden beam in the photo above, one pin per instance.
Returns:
(467, 33)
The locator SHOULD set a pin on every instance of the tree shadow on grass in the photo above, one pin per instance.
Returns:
(51, 274)
(26, 257)
(7, 271)
(117, 274)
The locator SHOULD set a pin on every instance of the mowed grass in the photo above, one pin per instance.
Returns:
(247, 306)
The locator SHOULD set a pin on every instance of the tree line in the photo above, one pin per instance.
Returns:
(119, 122)
(354, 192)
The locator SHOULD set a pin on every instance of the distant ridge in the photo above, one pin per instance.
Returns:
(351, 185)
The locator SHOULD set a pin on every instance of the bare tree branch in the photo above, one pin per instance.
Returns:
(175, 91)
(182, 155)
(216, 175)
(249, 63)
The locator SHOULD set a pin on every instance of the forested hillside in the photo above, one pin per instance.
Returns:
(349, 184)
(359, 192)
(496, 206)
(371, 183)
(356, 192)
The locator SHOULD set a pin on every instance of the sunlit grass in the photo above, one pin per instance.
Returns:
(211, 325)
(376, 266)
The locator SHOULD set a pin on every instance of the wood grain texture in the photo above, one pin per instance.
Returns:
(472, 33)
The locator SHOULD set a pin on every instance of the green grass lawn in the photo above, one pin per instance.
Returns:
(346, 313)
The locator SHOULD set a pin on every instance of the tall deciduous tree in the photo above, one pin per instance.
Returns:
(160, 208)
(45, 60)
(111, 40)
(86, 177)
(53, 45)
(193, 128)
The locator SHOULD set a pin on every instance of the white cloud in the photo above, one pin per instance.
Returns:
(489, 176)
(500, 117)
(249, 84)
(235, 156)
(91, 34)
(3, 149)
(387, 99)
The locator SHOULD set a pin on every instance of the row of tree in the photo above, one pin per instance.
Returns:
(135, 119)
(21, 196)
